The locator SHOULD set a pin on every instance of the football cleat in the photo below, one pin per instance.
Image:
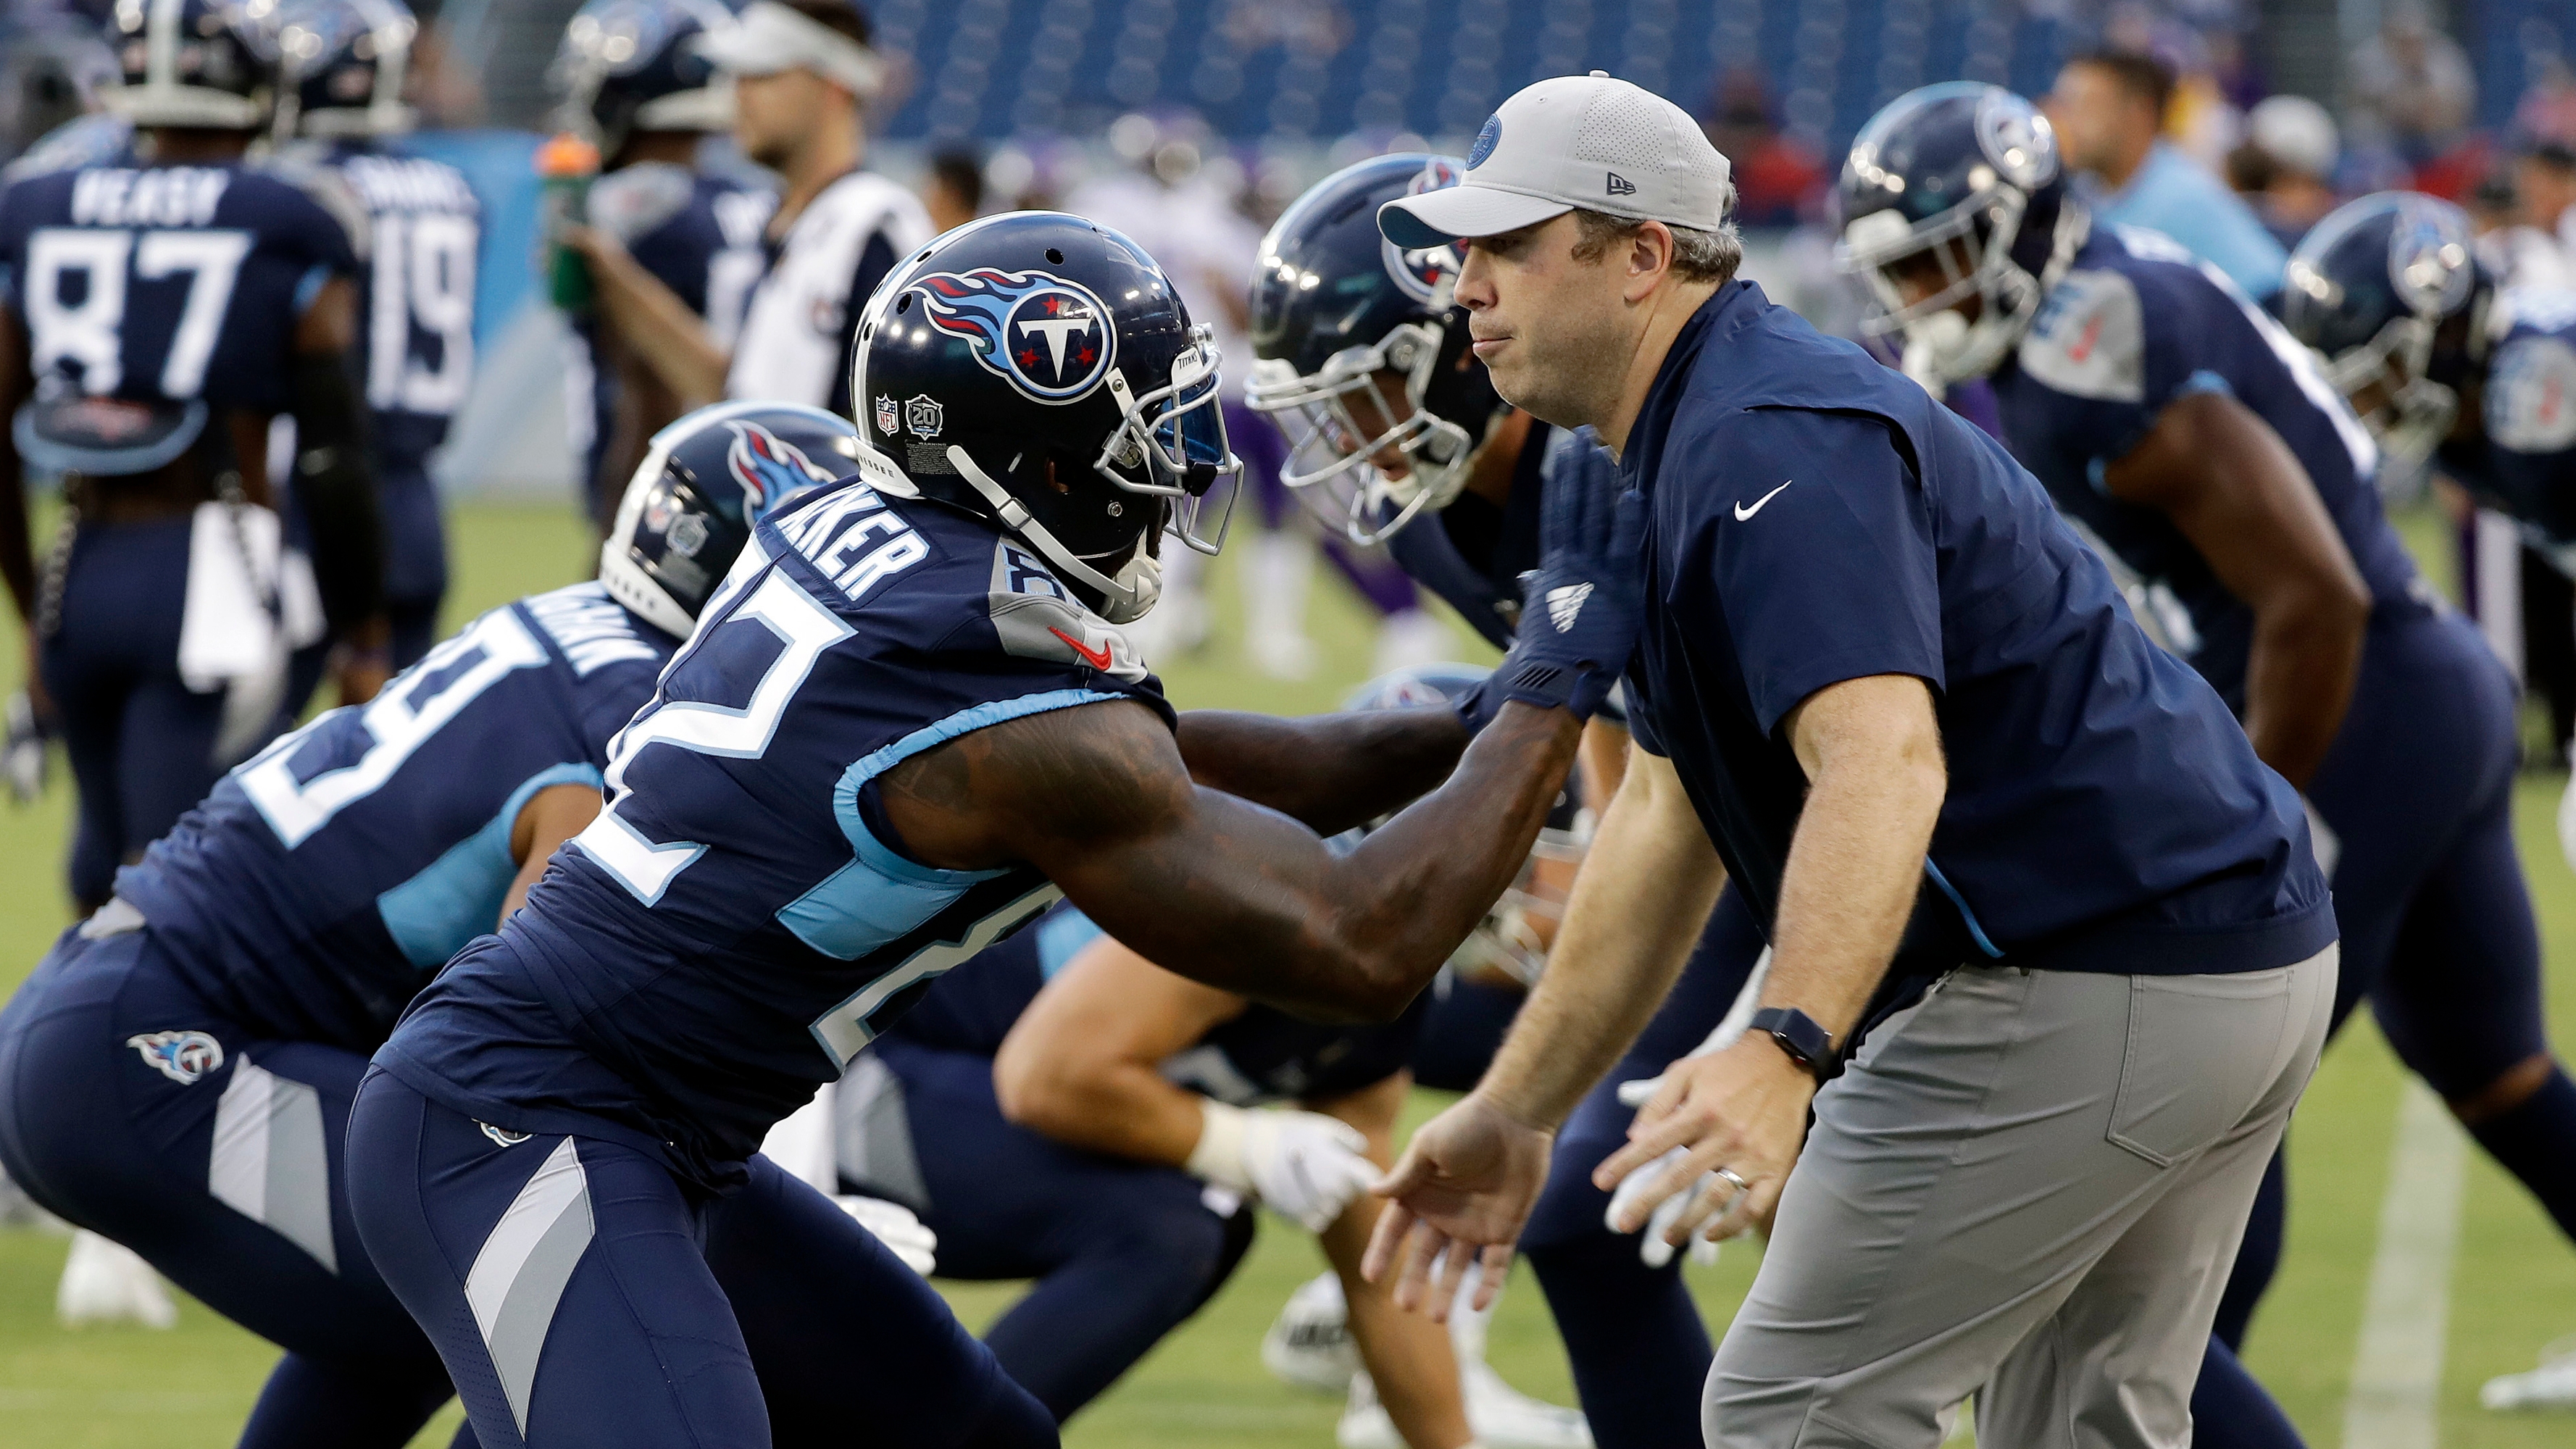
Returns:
(105, 1282)
(1309, 1344)
(2550, 1386)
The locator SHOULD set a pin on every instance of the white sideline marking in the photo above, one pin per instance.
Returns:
(2405, 1320)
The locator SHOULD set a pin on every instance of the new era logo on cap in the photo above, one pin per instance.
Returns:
(1575, 141)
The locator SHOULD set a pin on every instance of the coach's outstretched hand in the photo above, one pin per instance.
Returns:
(1581, 608)
(1460, 1193)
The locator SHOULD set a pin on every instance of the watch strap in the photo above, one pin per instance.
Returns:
(1806, 1042)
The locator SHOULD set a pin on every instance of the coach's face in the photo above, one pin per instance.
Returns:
(1554, 329)
(774, 113)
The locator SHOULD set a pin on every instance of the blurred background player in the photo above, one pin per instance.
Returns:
(2197, 446)
(1063, 1109)
(346, 61)
(160, 309)
(1396, 434)
(632, 80)
(802, 75)
(177, 1074)
(2285, 169)
(953, 192)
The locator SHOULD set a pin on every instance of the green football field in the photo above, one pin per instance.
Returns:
(2433, 1305)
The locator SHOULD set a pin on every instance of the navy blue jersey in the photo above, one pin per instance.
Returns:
(2524, 460)
(171, 284)
(1815, 518)
(416, 327)
(2137, 324)
(327, 878)
(699, 235)
(1473, 553)
(1260, 1056)
(738, 924)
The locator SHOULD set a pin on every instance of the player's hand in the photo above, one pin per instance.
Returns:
(1743, 1110)
(1306, 1165)
(1581, 608)
(1460, 1193)
(891, 1223)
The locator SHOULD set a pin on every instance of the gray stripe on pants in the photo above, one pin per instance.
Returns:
(270, 1162)
(519, 1275)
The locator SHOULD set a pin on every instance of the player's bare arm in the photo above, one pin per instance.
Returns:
(337, 487)
(2238, 493)
(1223, 890)
(1330, 771)
(552, 816)
(1083, 1064)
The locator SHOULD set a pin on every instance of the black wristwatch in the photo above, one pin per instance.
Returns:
(1809, 1045)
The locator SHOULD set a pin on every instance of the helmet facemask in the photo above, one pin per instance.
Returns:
(1517, 933)
(1333, 453)
(2411, 414)
(1943, 346)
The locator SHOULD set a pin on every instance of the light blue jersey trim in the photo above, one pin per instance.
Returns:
(882, 896)
(1975, 929)
(309, 286)
(1061, 937)
(458, 896)
(2204, 380)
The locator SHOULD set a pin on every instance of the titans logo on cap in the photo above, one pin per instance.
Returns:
(1486, 140)
(1048, 338)
(767, 466)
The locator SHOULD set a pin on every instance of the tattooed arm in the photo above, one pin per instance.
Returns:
(1332, 771)
(1222, 890)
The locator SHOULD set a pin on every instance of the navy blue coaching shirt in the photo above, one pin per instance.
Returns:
(1816, 518)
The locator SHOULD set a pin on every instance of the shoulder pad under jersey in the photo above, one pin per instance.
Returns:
(2089, 339)
(634, 201)
(94, 140)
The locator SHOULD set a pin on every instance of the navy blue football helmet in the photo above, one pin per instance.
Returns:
(1969, 174)
(1336, 308)
(633, 65)
(1039, 370)
(345, 63)
(2390, 293)
(705, 483)
(210, 64)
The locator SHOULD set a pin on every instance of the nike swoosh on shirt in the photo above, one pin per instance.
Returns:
(1742, 513)
(1096, 658)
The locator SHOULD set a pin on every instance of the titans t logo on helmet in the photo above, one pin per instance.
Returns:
(1044, 335)
(1420, 272)
(768, 467)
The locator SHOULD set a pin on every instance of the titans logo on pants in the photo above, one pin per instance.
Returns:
(183, 1056)
(1047, 337)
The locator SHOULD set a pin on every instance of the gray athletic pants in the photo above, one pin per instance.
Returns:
(2030, 1187)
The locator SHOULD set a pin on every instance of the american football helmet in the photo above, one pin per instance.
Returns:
(1514, 937)
(1338, 310)
(2390, 293)
(633, 65)
(706, 481)
(1040, 370)
(345, 62)
(210, 64)
(1969, 174)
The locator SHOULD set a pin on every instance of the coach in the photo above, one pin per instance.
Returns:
(1882, 685)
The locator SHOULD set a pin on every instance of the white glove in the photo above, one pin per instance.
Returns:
(1303, 1164)
(894, 1225)
(104, 1282)
(1652, 1250)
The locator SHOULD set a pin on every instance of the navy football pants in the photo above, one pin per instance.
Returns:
(222, 1166)
(141, 743)
(581, 1296)
(1123, 1252)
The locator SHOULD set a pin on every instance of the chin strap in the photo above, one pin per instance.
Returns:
(1124, 599)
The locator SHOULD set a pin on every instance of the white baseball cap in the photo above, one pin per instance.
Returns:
(1575, 141)
(769, 37)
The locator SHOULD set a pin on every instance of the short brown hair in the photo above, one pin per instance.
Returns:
(2142, 76)
(1710, 255)
(839, 15)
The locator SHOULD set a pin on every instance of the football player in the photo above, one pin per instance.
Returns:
(2200, 447)
(802, 73)
(2443, 365)
(1106, 1135)
(156, 312)
(1396, 435)
(906, 724)
(177, 1073)
(632, 79)
(345, 64)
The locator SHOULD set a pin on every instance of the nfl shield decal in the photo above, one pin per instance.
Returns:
(1047, 337)
(183, 1056)
(886, 416)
